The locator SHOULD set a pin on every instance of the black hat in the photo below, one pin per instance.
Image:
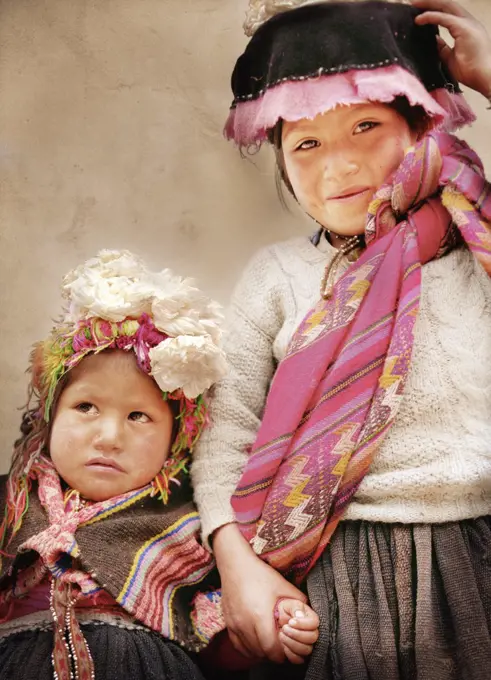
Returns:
(307, 60)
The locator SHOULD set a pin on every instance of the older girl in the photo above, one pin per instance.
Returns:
(357, 416)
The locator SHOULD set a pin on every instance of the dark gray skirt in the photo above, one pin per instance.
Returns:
(401, 602)
(117, 653)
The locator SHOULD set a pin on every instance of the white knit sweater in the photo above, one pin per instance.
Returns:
(435, 464)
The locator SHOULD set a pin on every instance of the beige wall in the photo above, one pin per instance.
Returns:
(110, 136)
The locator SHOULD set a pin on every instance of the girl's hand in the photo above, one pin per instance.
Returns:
(250, 590)
(469, 60)
(299, 629)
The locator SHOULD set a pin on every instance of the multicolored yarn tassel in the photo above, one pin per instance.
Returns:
(19, 483)
(161, 482)
(193, 417)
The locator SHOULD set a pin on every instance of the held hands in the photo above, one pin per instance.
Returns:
(258, 603)
(469, 60)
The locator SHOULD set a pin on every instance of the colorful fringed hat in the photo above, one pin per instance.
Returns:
(305, 58)
(114, 301)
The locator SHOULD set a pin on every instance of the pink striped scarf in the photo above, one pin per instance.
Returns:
(338, 390)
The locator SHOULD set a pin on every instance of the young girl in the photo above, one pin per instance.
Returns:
(102, 573)
(356, 418)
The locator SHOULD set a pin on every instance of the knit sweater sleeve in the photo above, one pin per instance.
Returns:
(254, 318)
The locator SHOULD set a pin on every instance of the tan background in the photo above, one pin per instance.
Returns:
(110, 136)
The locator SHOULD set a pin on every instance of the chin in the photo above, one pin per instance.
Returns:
(345, 225)
(103, 494)
(98, 497)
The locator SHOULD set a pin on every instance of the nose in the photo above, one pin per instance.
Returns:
(109, 435)
(339, 163)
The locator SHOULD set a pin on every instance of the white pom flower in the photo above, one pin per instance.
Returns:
(109, 264)
(179, 308)
(111, 286)
(116, 286)
(191, 363)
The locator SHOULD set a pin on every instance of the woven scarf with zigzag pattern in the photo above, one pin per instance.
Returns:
(337, 392)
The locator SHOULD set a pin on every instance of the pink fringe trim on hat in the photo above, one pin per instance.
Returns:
(249, 120)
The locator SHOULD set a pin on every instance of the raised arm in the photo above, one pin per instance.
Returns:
(469, 59)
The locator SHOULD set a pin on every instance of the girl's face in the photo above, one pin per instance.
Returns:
(112, 429)
(338, 160)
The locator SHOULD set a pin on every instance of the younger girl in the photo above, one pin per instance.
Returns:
(360, 382)
(102, 573)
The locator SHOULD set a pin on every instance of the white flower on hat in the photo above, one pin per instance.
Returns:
(111, 286)
(187, 362)
(116, 285)
(179, 308)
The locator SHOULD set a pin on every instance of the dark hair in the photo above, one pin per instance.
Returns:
(416, 117)
(35, 430)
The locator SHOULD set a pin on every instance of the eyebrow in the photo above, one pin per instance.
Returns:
(299, 130)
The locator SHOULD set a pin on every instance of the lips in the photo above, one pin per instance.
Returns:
(107, 463)
(349, 193)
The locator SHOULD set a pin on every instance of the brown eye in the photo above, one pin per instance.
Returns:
(139, 417)
(366, 126)
(85, 407)
(307, 144)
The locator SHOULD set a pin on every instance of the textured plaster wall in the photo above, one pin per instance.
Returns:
(110, 136)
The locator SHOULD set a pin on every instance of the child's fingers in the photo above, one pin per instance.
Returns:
(307, 637)
(294, 646)
(286, 607)
(305, 619)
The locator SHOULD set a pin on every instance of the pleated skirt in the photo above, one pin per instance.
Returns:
(117, 653)
(400, 602)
